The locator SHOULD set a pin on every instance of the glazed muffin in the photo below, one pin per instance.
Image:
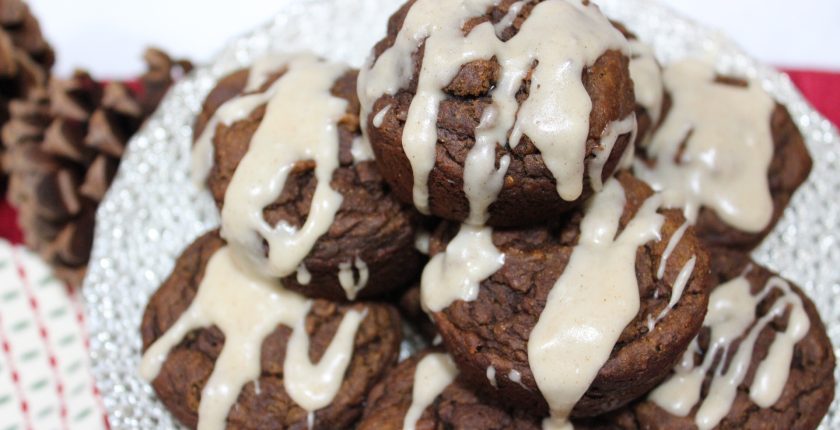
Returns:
(475, 137)
(350, 238)
(200, 358)
(646, 73)
(726, 152)
(394, 404)
(587, 260)
(778, 316)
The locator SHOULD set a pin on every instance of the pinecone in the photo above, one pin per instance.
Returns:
(25, 57)
(64, 145)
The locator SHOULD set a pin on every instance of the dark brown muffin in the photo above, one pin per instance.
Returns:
(456, 408)
(640, 59)
(806, 396)
(190, 364)
(370, 225)
(789, 168)
(494, 329)
(529, 193)
(412, 310)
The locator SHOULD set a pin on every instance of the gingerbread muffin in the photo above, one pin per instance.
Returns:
(726, 152)
(424, 392)
(629, 278)
(779, 319)
(646, 73)
(339, 239)
(463, 118)
(205, 336)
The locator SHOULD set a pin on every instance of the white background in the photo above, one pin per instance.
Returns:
(108, 36)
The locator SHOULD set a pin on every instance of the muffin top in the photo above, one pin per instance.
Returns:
(300, 198)
(518, 104)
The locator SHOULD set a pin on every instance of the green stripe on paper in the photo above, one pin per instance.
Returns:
(30, 355)
(39, 384)
(10, 295)
(21, 326)
(74, 367)
(47, 280)
(58, 312)
(78, 389)
(5, 399)
(83, 414)
(43, 413)
(12, 427)
(67, 340)
(3, 264)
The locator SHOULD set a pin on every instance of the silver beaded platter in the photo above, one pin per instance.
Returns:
(153, 211)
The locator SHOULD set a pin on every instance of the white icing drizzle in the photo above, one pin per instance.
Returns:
(347, 278)
(246, 315)
(491, 376)
(456, 273)
(300, 124)
(201, 159)
(380, 116)
(262, 69)
(591, 303)
(728, 148)
(303, 275)
(672, 245)
(360, 150)
(563, 36)
(647, 79)
(434, 373)
(612, 132)
(509, 17)
(516, 377)
(732, 316)
(421, 241)
(313, 386)
(676, 292)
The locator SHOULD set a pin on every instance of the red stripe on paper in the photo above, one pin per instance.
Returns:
(73, 296)
(10, 360)
(45, 337)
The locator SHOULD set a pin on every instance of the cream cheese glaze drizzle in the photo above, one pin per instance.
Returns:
(433, 374)
(348, 280)
(201, 159)
(288, 134)
(246, 315)
(455, 274)
(647, 79)
(592, 302)
(732, 317)
(714, 148)
(562, 36)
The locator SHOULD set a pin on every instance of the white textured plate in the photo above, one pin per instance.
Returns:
(152, 210)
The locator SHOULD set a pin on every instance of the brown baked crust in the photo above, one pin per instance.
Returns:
(456, 408)
(644, 120)
(789, 168)
(411, 309)
(809, 390)
(529, 194)
(494, 329)
(189, 365)
(370, 224)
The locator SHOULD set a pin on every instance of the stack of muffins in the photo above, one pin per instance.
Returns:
(567, 222)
